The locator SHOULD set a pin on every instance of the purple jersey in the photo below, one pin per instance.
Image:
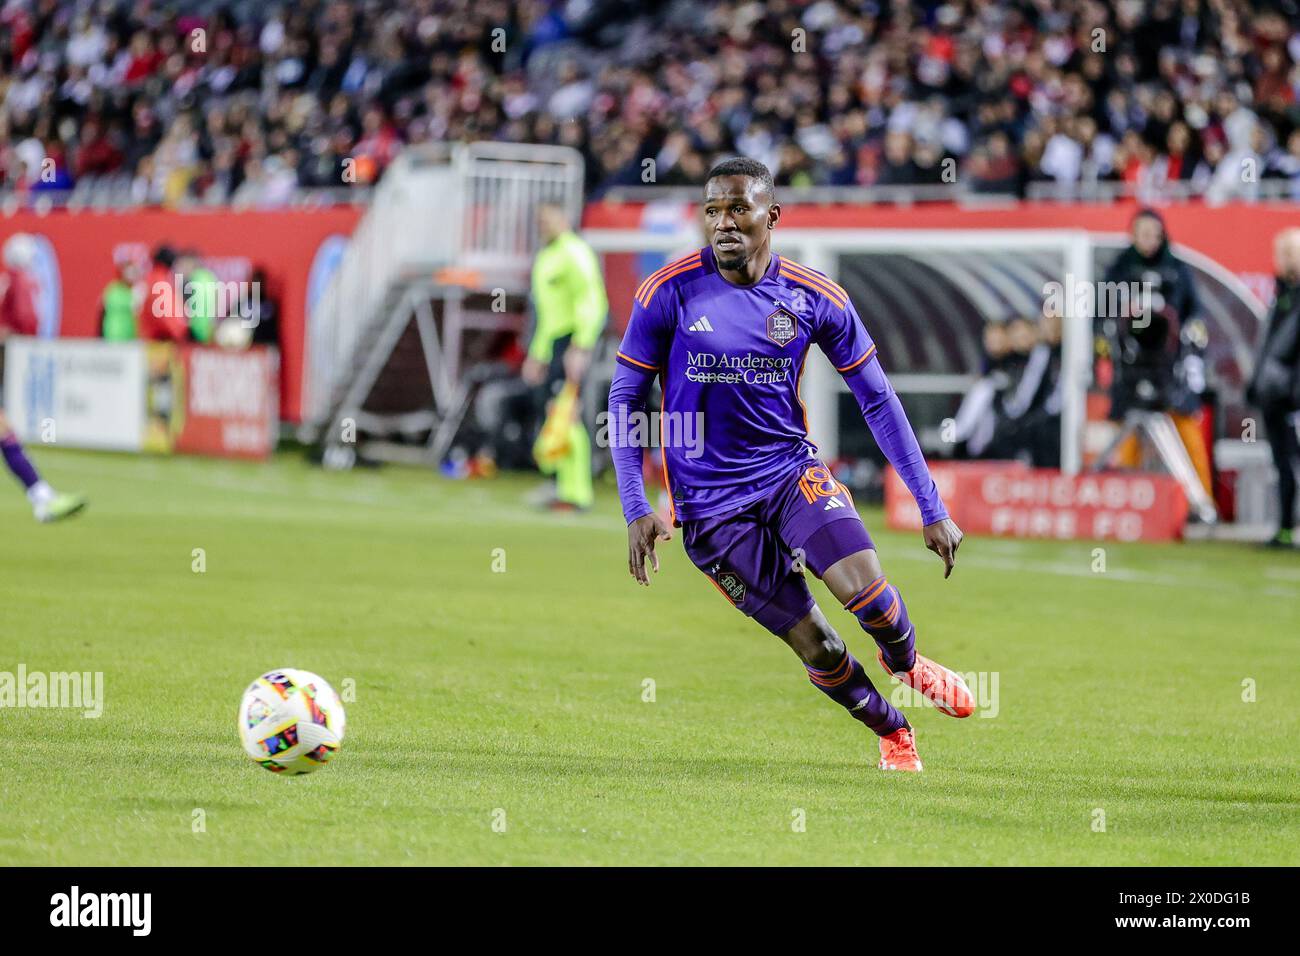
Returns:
(730, 359)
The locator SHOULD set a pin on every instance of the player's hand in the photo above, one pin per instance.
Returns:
(533, 372)
(944, 538)
(641, 537)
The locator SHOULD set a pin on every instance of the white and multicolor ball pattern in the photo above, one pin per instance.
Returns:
(291, 721)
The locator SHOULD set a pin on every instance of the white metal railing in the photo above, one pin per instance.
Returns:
(503, 183)
(400, 225)
(465, 205)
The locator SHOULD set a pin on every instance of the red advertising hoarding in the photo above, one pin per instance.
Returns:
(1014, 500)
(231, 408)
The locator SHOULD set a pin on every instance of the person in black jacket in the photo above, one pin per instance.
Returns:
(1274, 387)
(1156, 339)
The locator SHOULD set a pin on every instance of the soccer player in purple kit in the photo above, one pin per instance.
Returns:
(727, 330)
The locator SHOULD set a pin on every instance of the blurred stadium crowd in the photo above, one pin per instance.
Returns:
(252, 102)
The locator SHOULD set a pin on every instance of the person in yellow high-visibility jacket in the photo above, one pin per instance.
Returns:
(570, 307)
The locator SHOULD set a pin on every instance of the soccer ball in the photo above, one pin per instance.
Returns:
(290, 721)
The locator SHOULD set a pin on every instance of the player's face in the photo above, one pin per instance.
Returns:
(737, 218)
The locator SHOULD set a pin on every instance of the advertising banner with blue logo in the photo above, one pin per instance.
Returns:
(143, 396)
(80, 393)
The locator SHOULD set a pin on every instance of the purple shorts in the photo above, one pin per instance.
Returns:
(754, 556)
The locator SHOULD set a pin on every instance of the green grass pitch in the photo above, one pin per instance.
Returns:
(485, 697)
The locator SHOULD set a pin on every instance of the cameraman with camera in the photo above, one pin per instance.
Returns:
(1274, 388)
(1157, 344)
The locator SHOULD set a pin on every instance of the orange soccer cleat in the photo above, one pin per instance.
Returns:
(943, 688)
(898, 751)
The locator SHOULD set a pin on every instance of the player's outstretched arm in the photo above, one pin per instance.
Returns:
(893, 432)
(842, 336)
(642, 355)
(627, 397)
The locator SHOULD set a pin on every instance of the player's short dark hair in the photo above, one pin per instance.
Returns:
(744, 166)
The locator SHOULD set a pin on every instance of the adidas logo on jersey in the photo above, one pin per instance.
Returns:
(700, 325)
(833, 503)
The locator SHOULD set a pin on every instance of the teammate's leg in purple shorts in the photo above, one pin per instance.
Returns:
(19, 465)
(47, 504)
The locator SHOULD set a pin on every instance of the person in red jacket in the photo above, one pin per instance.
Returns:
(163, 315)
(18, 317)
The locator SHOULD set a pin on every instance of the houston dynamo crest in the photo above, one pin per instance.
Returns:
(782, 327)
(732, 586)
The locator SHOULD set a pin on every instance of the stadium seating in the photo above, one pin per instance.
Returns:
(262, 104)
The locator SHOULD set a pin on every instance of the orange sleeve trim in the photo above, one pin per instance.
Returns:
(807, 273)
(650, 292)
(655, 275)
(815, 286)
(653, 368)
(866, 355)
(652, 276)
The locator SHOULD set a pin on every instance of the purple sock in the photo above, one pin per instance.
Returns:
(848, 685)
(17, 461)
(880, 610)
